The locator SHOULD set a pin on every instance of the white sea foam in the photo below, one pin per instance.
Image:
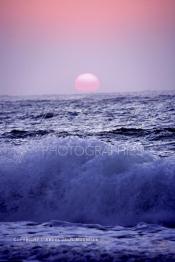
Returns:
(99, 184)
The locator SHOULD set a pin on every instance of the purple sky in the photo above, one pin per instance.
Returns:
(47, 44)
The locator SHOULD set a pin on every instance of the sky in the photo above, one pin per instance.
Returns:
(45, 44)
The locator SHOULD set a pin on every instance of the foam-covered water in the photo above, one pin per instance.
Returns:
(105, 161)
(61, 241)
(47, 180)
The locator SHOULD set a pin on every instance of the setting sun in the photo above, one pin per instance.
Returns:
(87, 83)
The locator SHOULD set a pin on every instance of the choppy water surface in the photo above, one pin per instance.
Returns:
(58, 241)
(104, 163)
(146, 118)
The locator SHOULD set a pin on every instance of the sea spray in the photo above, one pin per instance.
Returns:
(107, 187)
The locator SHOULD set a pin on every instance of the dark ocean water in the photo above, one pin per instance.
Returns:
(97, 168)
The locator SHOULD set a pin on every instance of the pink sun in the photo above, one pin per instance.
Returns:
(87, 83)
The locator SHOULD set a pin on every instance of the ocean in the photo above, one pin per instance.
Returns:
(87, 177)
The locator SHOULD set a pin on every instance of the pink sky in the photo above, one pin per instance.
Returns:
(63, 38)
(81, 17)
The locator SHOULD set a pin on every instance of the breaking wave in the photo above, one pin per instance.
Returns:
(85, 181)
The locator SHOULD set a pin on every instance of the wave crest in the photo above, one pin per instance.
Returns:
(107, 186)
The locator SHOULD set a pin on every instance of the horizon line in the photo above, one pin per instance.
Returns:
(90, 93)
